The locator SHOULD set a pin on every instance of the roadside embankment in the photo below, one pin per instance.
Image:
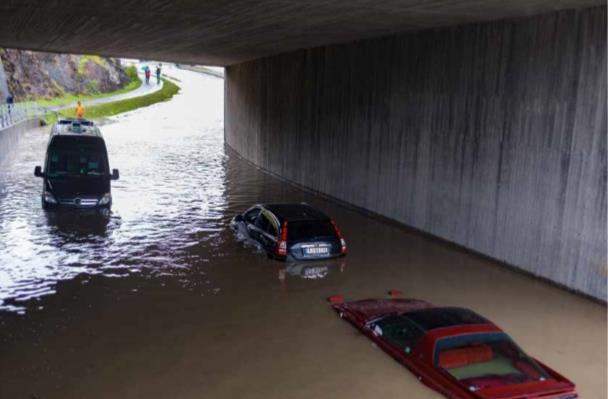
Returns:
(70, 99)
(168, 90)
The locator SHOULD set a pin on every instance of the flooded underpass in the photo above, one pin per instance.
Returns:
(158, 299)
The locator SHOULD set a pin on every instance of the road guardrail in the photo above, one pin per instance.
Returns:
(11, 114)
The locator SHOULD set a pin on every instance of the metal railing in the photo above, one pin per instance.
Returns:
(11, 114)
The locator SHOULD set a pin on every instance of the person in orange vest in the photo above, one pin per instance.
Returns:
(79, 110)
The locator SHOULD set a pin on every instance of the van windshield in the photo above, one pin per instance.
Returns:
(76, 158)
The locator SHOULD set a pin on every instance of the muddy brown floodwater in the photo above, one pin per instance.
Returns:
(160, 300)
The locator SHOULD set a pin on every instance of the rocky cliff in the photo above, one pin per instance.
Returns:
(35, 75)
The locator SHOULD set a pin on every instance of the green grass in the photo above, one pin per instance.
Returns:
(118, 107)
(85, 59)
(134, 83)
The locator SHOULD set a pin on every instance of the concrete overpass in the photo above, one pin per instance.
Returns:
(225, 33)
(480, 122)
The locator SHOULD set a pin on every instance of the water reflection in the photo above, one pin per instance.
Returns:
(313, 270)
(290, 273)
(80, 226)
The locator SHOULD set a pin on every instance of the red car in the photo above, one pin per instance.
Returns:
(454, 351)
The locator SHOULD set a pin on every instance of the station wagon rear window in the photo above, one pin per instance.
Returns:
(309, 230)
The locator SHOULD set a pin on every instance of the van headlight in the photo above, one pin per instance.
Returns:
(49, 198)
(105, 199)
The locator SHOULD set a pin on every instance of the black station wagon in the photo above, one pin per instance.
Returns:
(291, 232)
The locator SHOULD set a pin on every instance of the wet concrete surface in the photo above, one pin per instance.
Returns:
(160, 300)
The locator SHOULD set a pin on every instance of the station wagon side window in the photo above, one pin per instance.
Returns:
(272, 229)
(251, 215)
(262, 222)
(265, 224)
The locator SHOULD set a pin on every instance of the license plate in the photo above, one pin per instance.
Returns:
(316, 251)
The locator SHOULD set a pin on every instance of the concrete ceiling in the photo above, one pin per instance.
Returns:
(227, 32)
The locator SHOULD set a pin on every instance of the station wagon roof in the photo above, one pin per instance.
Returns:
(295, 212)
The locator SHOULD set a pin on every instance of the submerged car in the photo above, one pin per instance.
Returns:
(292, 232)
(76, 170)
(453, 350)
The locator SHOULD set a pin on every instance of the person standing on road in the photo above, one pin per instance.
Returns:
(9, 106)
(147, 72)
(10, 100)
(79, 110)
(158, 74)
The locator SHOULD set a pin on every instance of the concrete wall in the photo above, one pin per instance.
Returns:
(9, 138)
(492, 136)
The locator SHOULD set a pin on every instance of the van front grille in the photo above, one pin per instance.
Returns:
(79, 202)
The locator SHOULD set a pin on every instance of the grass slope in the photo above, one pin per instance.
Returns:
(117, 107)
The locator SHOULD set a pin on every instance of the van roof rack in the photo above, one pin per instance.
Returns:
(76, 126)
(71, 121)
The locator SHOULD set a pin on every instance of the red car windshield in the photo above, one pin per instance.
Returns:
(486, 360)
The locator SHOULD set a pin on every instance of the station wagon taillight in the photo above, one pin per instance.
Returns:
(282, 243)
(339, 234)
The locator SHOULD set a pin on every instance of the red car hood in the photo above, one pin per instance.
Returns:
(548, 389)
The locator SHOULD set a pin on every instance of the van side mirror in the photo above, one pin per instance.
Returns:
(38, 172)
(115, 174)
